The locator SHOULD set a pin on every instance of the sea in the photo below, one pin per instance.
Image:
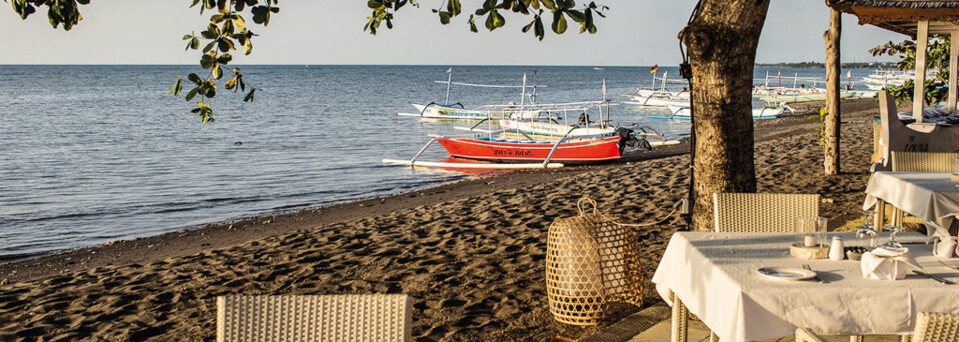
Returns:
(94, 154)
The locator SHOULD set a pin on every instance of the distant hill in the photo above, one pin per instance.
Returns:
(856, 65)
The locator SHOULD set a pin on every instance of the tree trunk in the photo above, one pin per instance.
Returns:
(830, 132)
(722, 40)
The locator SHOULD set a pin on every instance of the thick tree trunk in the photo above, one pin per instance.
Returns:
(722, 40)
(831, 121)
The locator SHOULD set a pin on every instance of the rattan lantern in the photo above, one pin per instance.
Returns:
(591, 261)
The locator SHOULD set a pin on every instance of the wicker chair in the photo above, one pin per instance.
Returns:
(771, 213)
(919, 162)
(314, 318)
(923, 161)
(930, 327)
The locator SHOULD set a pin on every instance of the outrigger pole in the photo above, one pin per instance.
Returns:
(449, 82)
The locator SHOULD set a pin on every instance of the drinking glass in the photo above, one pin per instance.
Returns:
(812, 225)
(892, 244)
(868, 229)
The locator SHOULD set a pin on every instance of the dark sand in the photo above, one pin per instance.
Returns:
(469, 253)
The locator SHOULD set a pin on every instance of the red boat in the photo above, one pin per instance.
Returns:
(575, 151)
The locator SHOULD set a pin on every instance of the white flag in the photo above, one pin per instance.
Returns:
(450, 70)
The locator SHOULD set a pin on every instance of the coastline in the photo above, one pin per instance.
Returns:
(470, 252)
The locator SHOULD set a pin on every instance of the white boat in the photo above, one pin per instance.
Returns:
(661, 97)
(457, 111)
(683, 113)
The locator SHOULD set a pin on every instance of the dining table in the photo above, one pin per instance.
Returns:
(715, 276)
(932, 196)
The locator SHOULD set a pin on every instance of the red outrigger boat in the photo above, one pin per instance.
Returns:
(493, 149)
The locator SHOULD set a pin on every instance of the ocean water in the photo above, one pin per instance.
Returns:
(92, 154)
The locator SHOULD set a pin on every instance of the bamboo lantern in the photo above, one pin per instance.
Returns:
(591, 261)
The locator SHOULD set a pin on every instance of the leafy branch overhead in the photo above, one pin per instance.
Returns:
(383, 11)
(226, 32)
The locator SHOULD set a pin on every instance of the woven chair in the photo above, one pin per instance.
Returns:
(930, 327)
(919, 162)
(314, 318)
(770, 213)
(923, 161)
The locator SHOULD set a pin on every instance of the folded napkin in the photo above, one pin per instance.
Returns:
(885, 264)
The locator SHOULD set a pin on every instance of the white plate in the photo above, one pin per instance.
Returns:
(786, 273)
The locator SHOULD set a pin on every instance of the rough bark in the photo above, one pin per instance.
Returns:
(832, 119)
(722, 40)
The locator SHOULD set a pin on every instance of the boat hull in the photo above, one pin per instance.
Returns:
(585, 151)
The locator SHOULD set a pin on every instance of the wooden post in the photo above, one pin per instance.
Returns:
(831, 121)
(953, 70)
(918, 98)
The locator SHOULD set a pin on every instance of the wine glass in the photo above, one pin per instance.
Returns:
(867, 228)
(892, 244)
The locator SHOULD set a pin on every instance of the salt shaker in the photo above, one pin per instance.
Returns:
(837, 251)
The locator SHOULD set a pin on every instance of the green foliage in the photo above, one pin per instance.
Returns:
(821, 119)
(934, 92)
(225, 33)
(937, 57)
(383, 11)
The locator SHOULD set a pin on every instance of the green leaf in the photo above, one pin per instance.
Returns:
(224, 59)
(193, 77)
(230, 84)
(217, 72)
(239, 23)
(249, 96)
(175, 90)
(454, 7)
(472, 24)
(207, 61)
(539, 30)
(444, 18)
(192, 93)
(559, 22)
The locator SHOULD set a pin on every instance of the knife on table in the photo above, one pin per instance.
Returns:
(940, 280)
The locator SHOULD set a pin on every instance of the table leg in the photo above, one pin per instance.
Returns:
(680, 319)
(713, 337)
(855, 338)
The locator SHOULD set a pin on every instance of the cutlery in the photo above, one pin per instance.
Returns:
(817, 278)
(940, 280)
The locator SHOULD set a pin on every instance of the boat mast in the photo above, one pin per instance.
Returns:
(602, 124)
(449, 81)
(522, 96)
(532, 98)
(664, 80)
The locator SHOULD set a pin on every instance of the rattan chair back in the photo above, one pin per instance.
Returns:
(591, 261)
(924, 161)
(936, 327)
(772, 213)
(314, 318)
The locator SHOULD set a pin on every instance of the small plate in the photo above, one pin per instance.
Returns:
(786, 273)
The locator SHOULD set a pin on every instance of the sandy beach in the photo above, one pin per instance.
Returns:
(471, 254)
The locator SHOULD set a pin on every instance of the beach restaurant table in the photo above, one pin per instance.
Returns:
(931, 196)
(715, 276)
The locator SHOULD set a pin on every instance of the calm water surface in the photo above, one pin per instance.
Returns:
(92, 154)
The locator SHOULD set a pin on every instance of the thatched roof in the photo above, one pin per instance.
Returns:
(902, 15)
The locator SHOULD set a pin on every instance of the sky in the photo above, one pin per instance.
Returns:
(635, 33)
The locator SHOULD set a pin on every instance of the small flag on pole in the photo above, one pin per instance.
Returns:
(450, 70)
(849, 73)
(654, 68)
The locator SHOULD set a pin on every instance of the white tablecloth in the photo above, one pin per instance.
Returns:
(714, 274)
(931, 196)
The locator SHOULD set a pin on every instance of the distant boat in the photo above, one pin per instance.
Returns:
(599, 68)
(683, 113)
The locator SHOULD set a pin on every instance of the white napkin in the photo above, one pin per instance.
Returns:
(884, 264)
